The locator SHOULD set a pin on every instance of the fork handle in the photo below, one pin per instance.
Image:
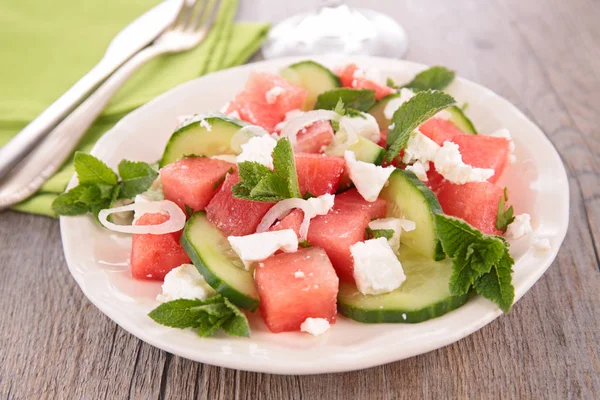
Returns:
(45, 159)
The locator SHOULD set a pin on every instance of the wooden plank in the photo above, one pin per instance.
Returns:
(542, 55)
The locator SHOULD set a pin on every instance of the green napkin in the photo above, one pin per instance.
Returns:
(48, 46)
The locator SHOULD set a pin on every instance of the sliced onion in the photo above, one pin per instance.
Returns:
(294, 125)
(244, 135)
(175, 223)
(281, 209)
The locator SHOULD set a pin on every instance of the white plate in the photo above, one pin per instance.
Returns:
(99, 259)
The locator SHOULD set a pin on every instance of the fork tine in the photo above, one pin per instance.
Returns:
(184, 15)
(206, 16)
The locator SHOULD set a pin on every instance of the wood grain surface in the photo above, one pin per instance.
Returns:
(542, 55)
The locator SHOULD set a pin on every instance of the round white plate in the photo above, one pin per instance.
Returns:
(99, 259)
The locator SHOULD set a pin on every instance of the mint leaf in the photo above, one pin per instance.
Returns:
(251, 173)
(285, 166)
(434, 78)
(89, 169)
(411, 114)
(505, 216)
(339, 107)
(378, 233)
(497, 285)
(358, 99)
(308, 195)
(478, 260)
(273, 187)
(97, 194)
(206, 316)
(389, 82)
(136, 176)
(69, 203)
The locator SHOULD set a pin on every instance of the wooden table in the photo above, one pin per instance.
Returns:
(542, 55)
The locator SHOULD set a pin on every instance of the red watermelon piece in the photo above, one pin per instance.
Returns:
(351, 199)
(252, 105)
(348, 80)
(191, 181)
(319, 174)
(296, 286)
(233, 216)
(291, 221)
(153, 256)
(335, 232)
(434, 178)
(483, 151)
(475, 202)
(314, 138)
(441, 130)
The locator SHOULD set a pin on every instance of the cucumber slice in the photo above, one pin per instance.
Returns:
(312, 76)
(196, 139)
(217, 262)
(408, 197)
(457, 115)
(424, 295)
(461, 120)
(367, 151)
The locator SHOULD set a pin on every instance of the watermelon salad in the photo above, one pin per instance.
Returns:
(312, 194)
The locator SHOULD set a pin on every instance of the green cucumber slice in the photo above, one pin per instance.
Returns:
(461, 120)
(408, 197)
(312, 76)
(456, 115)
(424, 295)
(200, 141)
(367, 151)
(217, 262)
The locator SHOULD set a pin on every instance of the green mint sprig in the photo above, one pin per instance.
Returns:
(379, 233)
(411, 114)
(206, 316)
(505, 216)
(434, 78)
(479, 261)
(259, 183)
(357, 99)
(99, 186)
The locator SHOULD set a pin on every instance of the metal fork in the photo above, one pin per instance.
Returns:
(187, 31)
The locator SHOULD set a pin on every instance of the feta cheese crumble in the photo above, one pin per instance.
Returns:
(420, 170)
(258, 149)
(364, 125)
(395, 224)
(541, 244)
(505, 133)
(234, 114)
(420, 148)
(368, 178)
(184, 282)
(520, 227)
(395, 103)
(260, 246)
(377, 270)
(273, 94)
(448, 162)
(315, 326)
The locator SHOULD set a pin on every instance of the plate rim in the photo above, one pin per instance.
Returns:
(368, 360)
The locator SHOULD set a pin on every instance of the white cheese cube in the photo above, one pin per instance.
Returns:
(368, 178)
(420, 148)
(520, 227)
(541, 244)
(377, 270)
(258, 149)
(364, 125)
(395, 103)
(315, 326)
(260, 246)
(184, 282)
(448, 162)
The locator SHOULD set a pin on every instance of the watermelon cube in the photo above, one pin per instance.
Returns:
(335, 232)
(291, 221)
(351, 199)
(296, 286)
(266, 99)
(349, 78)
(483, 151)
(474, 202)
(233, 216)
(153, 256)
(319, 174)
(441, 130)
(314, 138)
(193, 181)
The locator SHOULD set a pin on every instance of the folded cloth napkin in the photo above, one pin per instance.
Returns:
(48, 45)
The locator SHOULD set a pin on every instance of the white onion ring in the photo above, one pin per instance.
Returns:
(175, 223)
(294, 125)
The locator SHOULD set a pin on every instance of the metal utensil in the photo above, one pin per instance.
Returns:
(129, 41)
(189, 29)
